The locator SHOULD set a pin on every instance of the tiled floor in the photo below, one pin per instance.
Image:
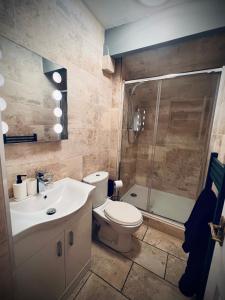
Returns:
(151, 270)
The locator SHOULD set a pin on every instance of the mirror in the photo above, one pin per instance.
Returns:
(33, 96)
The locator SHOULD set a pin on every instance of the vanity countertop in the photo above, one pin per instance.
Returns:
(65, 197)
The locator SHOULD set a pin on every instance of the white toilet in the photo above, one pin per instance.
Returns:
(117, 220)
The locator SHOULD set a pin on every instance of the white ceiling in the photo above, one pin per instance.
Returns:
(113, 13)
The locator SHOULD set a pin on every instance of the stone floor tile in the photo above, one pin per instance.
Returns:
(174, 269)
(97, 289)
(165, 242)
(110, 265)
(140, 233)
(144, 285)
(147, 256)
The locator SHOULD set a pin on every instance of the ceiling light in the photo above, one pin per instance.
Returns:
(152, 3)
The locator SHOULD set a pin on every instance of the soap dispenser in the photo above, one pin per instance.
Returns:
(20, 188)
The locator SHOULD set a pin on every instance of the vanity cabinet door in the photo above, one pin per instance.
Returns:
(78, 246)
(43, 275)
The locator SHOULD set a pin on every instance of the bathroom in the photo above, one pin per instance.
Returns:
(111, 109)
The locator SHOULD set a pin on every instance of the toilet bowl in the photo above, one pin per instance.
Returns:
(117, 220)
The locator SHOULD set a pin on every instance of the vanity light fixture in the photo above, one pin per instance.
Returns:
(3, 104)
(57, 77)
(5, 127)
(58, 128)
(2, 80)
(57, 95)
(57, 112)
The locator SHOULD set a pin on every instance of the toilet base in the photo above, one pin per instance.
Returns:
(116, 240)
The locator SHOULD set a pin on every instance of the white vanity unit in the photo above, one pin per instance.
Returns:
(52, 252)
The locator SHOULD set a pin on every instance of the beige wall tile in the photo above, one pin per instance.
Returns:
(68, 34)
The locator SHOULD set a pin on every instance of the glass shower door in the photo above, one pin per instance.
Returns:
(185, 111)
(138, 142)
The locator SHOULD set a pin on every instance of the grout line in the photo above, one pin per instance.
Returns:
(167, 258)
(182, 259)
(82, 286)
(145, 233)
(119, 291)
(163, 250)
(127, 276)
(159, 277)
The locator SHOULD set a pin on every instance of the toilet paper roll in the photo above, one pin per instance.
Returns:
(31, 186)
(118, 184)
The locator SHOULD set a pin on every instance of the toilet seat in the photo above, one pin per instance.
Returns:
(123, 213)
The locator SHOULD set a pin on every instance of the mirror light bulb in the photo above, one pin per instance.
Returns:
(2, 80)
(57, 112)
(58, 128)
(3, 104)
(57, 77)
(57, 95)
(5, 127)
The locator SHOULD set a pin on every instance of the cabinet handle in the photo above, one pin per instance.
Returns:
(59, 248)
(71, 238)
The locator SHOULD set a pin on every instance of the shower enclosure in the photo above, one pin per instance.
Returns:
(165, 135)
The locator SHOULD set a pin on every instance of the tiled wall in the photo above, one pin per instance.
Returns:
(68, 34)
(199, 52)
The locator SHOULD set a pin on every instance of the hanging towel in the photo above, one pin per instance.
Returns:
(197, 235)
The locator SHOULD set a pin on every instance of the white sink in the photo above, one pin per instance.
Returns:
(66, 196)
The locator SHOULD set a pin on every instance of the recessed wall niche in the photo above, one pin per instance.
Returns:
(35, 93)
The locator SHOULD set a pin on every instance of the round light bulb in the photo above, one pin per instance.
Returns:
(57, 95)
(2, 80)
(3, 104)
(5, 127)
(57, 77)
(58, 128)
(57, 112)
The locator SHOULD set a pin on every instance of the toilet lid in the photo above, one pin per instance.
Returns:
(123, 213)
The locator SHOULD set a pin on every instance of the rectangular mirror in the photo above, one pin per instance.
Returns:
(33, 96)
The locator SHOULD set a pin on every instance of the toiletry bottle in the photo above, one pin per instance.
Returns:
(20, 188)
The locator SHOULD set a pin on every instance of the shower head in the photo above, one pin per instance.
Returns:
(134, 88)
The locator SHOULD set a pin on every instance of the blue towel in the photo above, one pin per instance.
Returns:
(197, 235)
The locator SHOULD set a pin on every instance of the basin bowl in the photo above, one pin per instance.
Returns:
(64, 197)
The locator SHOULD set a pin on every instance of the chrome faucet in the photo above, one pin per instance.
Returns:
(43, 180)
